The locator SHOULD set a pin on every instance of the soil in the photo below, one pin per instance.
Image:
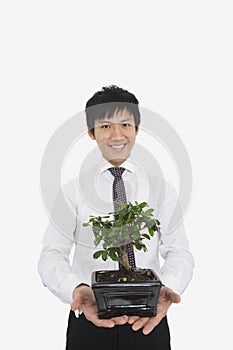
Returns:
(121, 276)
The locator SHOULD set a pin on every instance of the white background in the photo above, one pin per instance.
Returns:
(176, 56)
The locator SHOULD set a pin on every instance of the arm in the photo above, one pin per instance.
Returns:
(54, 264)
(177, 269)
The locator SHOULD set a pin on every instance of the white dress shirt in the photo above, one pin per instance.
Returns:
(91, 194)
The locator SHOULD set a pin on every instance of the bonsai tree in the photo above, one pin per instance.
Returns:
(126, 291)
(126, 227)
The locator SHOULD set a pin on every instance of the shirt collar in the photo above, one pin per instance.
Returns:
(128, 164)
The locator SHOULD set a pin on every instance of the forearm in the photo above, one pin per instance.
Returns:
(56, 274)
(177, 270)
(54, 264)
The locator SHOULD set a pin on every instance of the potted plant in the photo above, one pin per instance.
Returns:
(126, 291)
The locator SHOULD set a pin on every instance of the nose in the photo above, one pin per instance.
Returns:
(117, 133)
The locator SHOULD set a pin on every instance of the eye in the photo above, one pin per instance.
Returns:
(105, 126)
(125, 125)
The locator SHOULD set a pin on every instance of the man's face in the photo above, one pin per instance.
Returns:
(115, 137)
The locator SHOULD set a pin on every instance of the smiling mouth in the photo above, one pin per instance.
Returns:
(117, 147)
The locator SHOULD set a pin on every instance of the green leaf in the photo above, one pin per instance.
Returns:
(105, 245)
(151, 231)
(104, 255)
(138, 245)
(96, 255)
(148, 212)
(129, 216)
(154, 227)
(113, 255)
(128, 223)
(143, 205)
(97, 240)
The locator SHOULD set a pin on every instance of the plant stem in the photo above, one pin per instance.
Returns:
(123, 258)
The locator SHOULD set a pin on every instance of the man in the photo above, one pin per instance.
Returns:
(113, 120)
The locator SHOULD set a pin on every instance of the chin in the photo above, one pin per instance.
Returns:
(117, 161)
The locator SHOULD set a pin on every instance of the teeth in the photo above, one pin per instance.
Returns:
(117, 146)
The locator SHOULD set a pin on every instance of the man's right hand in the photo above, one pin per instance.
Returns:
(84, 299)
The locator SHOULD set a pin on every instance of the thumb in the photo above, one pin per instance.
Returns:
(77, 301)
(173, 297)
(76, 304)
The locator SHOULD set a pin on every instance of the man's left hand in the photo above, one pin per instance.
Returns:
(166, 297)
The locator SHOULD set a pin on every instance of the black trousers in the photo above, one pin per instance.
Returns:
(84, 335)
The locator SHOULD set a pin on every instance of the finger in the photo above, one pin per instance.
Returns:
(120, 320)
(108, 323)
(92, 316)
(139, 323)
(151, 324)
(133, 319)
(103, 323)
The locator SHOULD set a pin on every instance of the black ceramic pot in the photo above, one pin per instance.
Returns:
(126, 298)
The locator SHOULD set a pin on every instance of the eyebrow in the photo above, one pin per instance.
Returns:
(103, 121)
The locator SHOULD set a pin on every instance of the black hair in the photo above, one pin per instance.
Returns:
(109, 100)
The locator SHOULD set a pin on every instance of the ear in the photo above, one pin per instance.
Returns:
(90, 134)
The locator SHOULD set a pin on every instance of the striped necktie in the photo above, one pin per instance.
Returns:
(119, 195)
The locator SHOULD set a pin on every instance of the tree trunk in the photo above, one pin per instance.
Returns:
(123, 258)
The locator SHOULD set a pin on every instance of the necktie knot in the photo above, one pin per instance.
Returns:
(116, 172)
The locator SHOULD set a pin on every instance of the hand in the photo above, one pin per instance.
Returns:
(84, 299)
(166, 297)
